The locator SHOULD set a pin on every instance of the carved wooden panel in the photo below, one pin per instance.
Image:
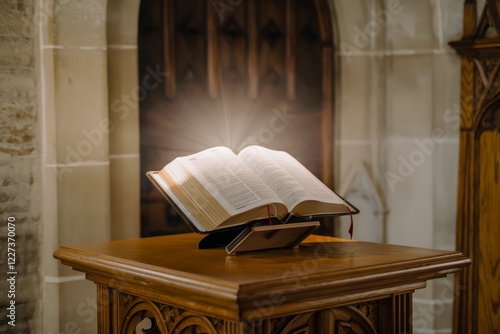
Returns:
(478, 219)
(132, 314)
(233, 73)
(362, 318)
(131, 311)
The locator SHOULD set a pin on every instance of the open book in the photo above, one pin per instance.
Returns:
(217, 189)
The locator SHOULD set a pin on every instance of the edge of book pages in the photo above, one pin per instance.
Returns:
(171, 202)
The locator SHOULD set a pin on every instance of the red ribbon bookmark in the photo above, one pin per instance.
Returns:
(351, 228)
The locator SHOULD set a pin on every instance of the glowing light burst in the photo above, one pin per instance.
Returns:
(187, 124)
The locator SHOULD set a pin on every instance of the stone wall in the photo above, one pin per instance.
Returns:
(398, 114)
(20, 185)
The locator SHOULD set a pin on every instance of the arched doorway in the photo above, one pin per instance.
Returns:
(236, 73)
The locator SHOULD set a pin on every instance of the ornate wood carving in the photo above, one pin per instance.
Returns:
(478, 217)
(131, 311)
(358, 318)
(351, 320)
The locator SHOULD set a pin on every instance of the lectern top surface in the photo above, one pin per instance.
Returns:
(175, 258)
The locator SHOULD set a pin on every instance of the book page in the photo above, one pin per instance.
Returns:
(287, 177)
(225, 178)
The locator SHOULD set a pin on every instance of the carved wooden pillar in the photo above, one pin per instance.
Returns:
(103, 310)
(477, 291)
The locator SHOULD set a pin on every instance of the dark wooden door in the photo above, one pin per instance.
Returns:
(236, 73)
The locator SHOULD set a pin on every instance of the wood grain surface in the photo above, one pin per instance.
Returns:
(477, 288)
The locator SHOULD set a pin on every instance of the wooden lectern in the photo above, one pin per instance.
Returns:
(325, 285)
